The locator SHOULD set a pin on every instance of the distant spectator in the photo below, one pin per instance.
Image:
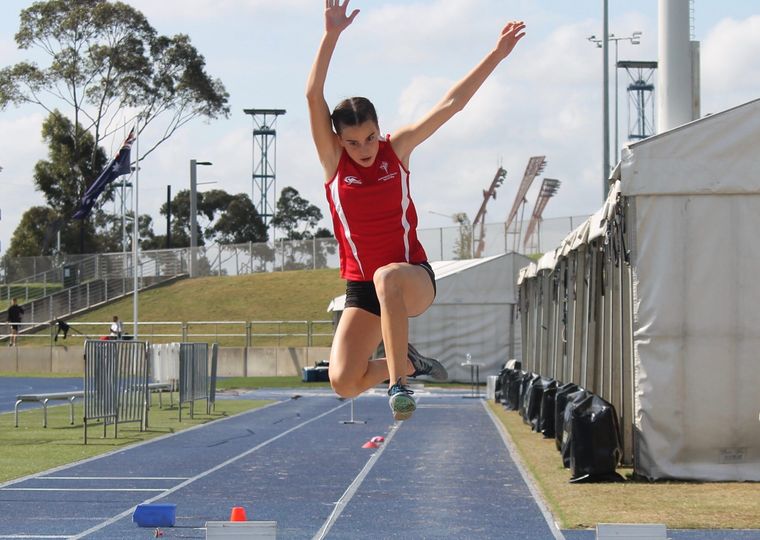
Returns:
(116, 329)
(15, 314)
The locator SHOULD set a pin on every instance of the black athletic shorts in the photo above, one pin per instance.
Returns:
(362, 294)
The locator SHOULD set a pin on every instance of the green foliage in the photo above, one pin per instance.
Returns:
(105, 62)
(240, 222)
(70, 168)
(296, 216)
(104, 59)
(222, 218)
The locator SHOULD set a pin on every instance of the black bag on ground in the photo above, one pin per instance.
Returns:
(537, 389)
(546, 416)
(560, 401)
(506, 375)
(595, 446)
(527, 383)
(512, 398)
(573, 398)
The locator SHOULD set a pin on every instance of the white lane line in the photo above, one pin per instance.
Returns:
(81, 489)
(354, 486)
(110, 478)
(524, 473)
(30, 536)
(137, 445)
(205, 473)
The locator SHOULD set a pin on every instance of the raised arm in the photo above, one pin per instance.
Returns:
(406, 139)
(322, 132)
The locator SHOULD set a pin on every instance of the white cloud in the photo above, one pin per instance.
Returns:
(21, 147)
(215, 10)
(730, 64)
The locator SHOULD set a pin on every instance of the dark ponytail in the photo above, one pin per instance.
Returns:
(352, 112)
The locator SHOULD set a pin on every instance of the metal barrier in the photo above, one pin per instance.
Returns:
(115, 383)
(193, 375)
(212, 380)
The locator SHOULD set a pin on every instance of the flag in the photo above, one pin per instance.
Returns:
(119, 165)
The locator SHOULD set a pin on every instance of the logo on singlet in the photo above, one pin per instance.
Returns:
(384, 166)
(351, 180)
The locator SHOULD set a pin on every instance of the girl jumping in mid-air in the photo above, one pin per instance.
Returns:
(375, 222)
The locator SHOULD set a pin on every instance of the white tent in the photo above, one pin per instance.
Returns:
(695, 209)
(473, 312)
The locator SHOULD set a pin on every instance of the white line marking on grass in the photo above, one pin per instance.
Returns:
(354, 486)
(205, 473)
(524, 473)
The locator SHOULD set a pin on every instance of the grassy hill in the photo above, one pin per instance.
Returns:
(278, 296)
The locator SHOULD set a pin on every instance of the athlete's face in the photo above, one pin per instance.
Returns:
(361, 142)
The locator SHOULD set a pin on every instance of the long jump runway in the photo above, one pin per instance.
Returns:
(446, 473)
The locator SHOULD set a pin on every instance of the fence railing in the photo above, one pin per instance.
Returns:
(226, 333)
(33, 277)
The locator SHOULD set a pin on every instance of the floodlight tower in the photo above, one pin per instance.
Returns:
(264, 178)
(535, 167)
(480, 218)
(640, 98)
(549, 188)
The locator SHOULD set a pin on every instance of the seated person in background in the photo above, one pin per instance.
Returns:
(116, 329)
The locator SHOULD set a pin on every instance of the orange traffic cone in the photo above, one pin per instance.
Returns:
(369, 444)
(378, 439)
(238, 514)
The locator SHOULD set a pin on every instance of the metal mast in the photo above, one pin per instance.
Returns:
(535, 167)
(549, 188)
(640, 98)
(264, 178)
(480, 218)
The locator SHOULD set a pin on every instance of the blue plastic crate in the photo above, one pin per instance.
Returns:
(155, 515)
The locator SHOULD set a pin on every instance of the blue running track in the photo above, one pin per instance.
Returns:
(446, 473)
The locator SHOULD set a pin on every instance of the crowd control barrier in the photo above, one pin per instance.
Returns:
(115, 384)
(193, 376)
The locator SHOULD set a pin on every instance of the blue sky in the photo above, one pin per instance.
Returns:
(545, 99)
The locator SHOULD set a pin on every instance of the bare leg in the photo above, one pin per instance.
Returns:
(404, 291)
(356, 339)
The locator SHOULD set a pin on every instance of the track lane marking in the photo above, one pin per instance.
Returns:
(205, 473)
(537, 497)
(351, 490)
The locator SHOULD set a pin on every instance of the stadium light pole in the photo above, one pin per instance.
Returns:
(603, 44)
(635, 39)
(194, 212)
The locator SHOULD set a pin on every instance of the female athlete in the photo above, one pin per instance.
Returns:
(367, 183)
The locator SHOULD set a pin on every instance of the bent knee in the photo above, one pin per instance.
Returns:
(344, 385)
(388, 281)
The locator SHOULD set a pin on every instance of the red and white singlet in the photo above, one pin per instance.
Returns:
(374, 219)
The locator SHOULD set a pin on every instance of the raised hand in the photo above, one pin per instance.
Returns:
(510, 35)
(336, 19)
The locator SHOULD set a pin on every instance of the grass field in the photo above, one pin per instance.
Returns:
(301, 295)
(679, 505)
(30, 448)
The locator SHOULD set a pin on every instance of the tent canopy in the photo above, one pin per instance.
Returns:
(714, 154)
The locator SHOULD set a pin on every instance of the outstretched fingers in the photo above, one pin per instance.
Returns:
(335, 15)
(512, 32)
(515, 28)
